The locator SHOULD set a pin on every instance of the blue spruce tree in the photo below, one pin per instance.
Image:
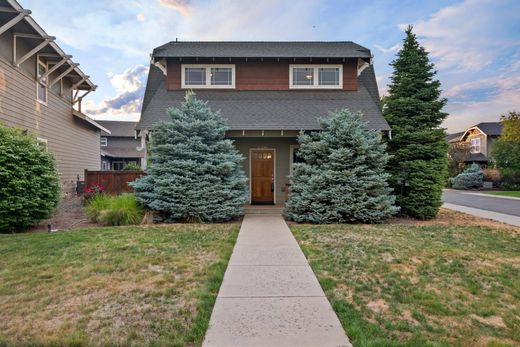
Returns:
(195, 173)
(342, 178)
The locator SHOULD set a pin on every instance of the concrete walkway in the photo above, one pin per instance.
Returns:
(270, 296)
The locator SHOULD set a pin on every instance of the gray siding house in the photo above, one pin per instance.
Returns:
(41, 89)
(121, 146)
(267, 93)
(480, 139)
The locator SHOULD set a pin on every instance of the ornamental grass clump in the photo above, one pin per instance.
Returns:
(342, 178)
(29, 181)
(115, 210)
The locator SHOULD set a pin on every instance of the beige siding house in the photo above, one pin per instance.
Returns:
(41, 89)
(480, 139)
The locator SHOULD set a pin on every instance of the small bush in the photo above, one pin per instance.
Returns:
(115, 210)
(472, 177)
(132, 167)
(29, 182)
(93, 190)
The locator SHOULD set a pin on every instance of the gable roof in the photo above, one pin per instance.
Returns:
(262, 49)
(267, 110)
(455, 137)
(490, 128)
(118, 128)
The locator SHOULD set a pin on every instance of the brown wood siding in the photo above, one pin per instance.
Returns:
(74, 144)
(257, 75)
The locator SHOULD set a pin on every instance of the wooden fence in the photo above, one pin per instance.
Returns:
(114, 182)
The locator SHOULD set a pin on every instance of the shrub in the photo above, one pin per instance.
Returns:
(342, 178)
(93, 190)
(115, 210)
(195, 173)
(132, 167)
(472, 177)
(29, 182)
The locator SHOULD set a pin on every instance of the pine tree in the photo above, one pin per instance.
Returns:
(342, 177)
(418, 146)
(196, 173)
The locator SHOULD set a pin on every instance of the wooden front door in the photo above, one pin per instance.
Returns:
(262, 176)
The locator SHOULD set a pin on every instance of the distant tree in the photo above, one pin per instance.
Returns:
(29, 182)
(131, 167)
(195, 173)
(458, 155)
(342, 177)
(511, 127)
(418, 145)
(506, 151)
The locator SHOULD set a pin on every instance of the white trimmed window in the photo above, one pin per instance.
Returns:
(104, 141)
(208, 76)
(316, 76)
(475, 145)
(41, 86)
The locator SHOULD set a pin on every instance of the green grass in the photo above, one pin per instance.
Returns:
(151, 286)
(515, 194)
(419, 285)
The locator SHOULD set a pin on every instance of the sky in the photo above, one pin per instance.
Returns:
(474, 44)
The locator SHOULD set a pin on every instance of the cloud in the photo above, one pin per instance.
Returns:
(128, 102)
(471, 34)
(392, 49)
(181, 6)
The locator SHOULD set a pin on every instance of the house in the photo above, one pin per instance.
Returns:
(41, 90)
(121, 146)
(267, 92)
(480, 139)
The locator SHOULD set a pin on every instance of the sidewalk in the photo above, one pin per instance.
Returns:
(270, 296)
(501, 217)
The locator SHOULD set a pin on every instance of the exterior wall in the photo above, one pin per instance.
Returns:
(282, 147)
(122, 142)
(258, 75)
(74, 143)
(490, 141)
(483, 141)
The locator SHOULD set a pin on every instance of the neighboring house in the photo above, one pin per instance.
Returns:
(41, 89)
(121, 146)
(267, 92)
(480, 139)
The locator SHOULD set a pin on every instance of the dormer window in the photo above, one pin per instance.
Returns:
(208, 76)
(315, 76)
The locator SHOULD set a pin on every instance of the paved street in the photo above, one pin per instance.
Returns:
(494, 204)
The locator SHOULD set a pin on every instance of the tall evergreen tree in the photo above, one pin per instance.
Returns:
(195, 173)
(418, 146)
(342, 178)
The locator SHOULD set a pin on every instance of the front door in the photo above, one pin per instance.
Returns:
(262, 176)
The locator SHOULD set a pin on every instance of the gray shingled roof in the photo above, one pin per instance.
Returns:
(490, 128)
(267, 110)
(455, 137)
(262, 49)
(118, 128)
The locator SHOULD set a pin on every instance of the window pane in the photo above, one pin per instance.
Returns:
(195, 76)
(328, 76)
(303, 76)
(221, 76)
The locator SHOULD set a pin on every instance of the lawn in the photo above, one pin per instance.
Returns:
(452, 282)
(515, 194)
(112, 286)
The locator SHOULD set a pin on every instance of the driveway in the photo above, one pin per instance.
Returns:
(507, 206)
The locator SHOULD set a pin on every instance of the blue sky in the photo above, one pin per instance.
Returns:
(475, 44)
